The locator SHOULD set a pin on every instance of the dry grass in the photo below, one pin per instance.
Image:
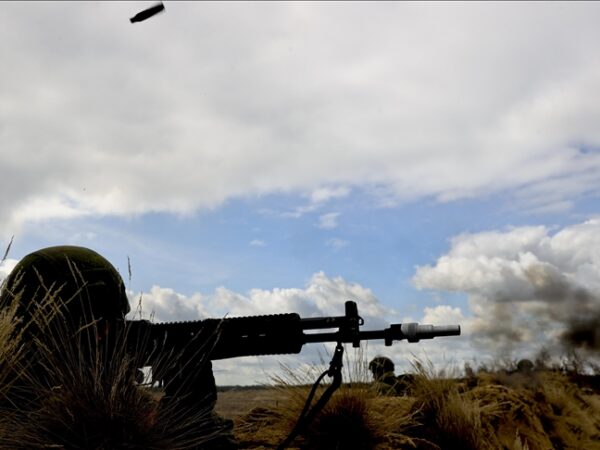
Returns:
(10, 344)
(240, 401)
(356, 417)
(10, 352)
(87, 399)
(69, 388)
(447, 417)
(547, 410)
(491, 410)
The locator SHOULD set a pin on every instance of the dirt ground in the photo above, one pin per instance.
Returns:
(238, 402)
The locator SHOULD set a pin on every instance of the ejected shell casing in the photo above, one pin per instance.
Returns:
(147, 13)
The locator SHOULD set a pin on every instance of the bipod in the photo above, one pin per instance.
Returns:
(308, 414)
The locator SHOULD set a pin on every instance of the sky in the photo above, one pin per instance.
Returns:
(434, 162)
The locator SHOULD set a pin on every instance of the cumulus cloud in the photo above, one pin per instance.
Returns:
(240, 100)
(325, 194)
(328, 221)
(6, 268)
(322, 296)
(443, 315)
(527, 287)
(166, 305)
(336, 243)
(317, 199)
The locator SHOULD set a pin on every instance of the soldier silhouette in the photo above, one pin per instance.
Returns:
(91, 298)
(384, 377)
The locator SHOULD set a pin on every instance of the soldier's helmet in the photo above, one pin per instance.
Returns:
(87, 284)
(381, 365)
(525, 366)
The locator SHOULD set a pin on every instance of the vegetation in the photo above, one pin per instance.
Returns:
(88, 399)
(541, 408)
(74, 388)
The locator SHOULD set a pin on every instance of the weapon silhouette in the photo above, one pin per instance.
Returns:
(274, 334)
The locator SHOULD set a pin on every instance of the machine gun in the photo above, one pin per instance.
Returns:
(272, 335)
(179, 353)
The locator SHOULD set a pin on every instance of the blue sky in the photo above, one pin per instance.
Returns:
(247, 244)
(438, 160)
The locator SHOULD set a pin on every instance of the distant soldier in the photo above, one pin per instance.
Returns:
(525, 366)
(90, 295)
(384, 377)
(382, 368)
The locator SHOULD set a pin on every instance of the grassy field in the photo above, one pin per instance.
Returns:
(239, 401)
(87, 399)
(541, 409)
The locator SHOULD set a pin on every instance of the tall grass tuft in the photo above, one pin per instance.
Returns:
(356, 417)
(10, 353)
(10, 344)
(447, 417)
(74, 387)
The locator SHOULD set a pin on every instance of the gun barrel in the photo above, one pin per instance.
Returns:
(412, 332)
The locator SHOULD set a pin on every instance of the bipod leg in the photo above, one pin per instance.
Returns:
(307, 416)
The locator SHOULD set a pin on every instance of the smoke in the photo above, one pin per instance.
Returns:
(584, 333)
(527, 288)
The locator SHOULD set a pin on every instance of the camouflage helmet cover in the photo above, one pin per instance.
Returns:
(74, 273)
(381, 365)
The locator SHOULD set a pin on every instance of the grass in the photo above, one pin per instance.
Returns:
(447, 417)
(63, 386)
(10, 353)
(87, 399)
(10, 345)
(358, 416)
(491, 409)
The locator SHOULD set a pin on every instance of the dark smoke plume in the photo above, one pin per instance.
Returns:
(583, 334)
(527, 288)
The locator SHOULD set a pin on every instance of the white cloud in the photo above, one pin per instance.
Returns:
(325, 194)
(328, 221)
(322, 296)
(257, 243)
(443, 315)
(318, 198)
(238, 100)
(166, 305)
(524, 282)
(6, 268)
(336, 243)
